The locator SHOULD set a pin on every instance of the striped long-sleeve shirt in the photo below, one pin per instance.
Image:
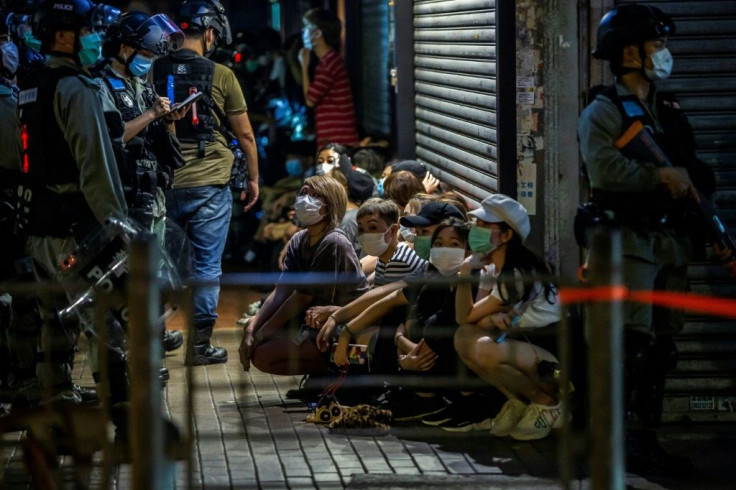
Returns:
(330, 92)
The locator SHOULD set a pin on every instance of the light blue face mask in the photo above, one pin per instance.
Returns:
(140, 65)
(379, 187)
(32, 42)
(90, 49)
(294, 167)
(307, 37)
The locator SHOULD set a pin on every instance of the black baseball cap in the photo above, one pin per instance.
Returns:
(360, 183)
(360, 186)
(432, 213)
(417, 168)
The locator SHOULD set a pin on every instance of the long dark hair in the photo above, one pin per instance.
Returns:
(521, 260)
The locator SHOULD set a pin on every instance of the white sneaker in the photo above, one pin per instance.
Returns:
(507, 418)
(538, 421)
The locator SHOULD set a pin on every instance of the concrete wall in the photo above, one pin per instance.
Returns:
(548, 103)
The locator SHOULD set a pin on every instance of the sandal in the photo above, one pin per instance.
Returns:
(328, 409)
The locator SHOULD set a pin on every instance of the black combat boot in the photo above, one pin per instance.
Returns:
(203, 352)
(172, 340)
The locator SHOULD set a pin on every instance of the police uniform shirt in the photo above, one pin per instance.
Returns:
(133, 96)
(80, 104)
(599, 126)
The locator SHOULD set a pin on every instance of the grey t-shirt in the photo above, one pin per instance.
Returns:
(333, 256)
(349, 225)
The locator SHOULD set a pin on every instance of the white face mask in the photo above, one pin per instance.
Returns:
(324, 168)
(307, 38)
(661, 65)
(307, 210)
(447, 260)
(407, 233)
(11, 60)
(373, 243)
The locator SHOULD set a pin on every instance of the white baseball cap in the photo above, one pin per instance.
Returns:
(498, 208)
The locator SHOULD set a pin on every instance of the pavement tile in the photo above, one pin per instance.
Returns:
(327, 477)
(295, 482)
(428, 463)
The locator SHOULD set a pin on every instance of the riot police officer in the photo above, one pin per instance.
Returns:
(650, 204)
(10, 168)
(201, 201)
(20, 29)
(74, 136)
(152, 151)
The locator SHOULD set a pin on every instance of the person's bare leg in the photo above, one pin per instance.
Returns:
(510, 366)
(280, 356)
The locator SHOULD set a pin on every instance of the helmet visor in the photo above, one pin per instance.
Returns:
(160, 35)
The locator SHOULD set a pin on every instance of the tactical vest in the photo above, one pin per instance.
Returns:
(50, 160)
(189, 72)
(31, 62)
(674, 136)
(43, 212)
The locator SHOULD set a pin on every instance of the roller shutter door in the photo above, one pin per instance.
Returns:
(375, 49)
(704, 78)
(456, 87)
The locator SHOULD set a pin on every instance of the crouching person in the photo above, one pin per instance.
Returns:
(507, 338)
(321, 248)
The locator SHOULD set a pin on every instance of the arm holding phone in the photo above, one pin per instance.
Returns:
(160, 108)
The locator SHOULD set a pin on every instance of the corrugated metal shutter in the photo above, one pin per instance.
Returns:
(704, 79)
(375, 49)
(455, 80)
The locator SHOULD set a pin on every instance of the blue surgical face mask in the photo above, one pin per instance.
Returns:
(379, 187)
(32, 42)
(294, 167)
(90, 49)
(140, 65)
(307, 37)
(10, 60)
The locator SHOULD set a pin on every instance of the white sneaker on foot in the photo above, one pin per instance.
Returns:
(508, 417)
(537, 422)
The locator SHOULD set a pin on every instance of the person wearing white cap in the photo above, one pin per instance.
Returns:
(521, 301)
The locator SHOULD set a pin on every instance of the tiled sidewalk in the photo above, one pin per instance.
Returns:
(250, 435)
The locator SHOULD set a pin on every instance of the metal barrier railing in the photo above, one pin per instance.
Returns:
(152, 462)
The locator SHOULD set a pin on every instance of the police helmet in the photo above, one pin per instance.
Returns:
(16, 26)
(102, 17)
(21, 7)
(138, 30)
(630, 24)
(57, 15)
(198, 15)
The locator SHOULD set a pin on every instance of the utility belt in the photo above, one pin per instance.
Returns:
(43, 212)
(594, 213)
(643, 211)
